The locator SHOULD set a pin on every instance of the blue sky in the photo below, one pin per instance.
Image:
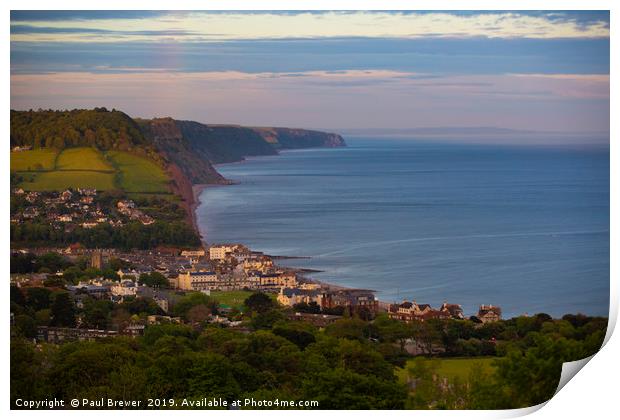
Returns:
(534, 70)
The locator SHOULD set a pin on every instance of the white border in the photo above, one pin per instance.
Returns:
(592, 394)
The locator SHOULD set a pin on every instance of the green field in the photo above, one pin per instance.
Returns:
(60, 180)
(137, 174)
(33, 160)
(86, 167)
(452, 368)
(82, 159)
(233, 299)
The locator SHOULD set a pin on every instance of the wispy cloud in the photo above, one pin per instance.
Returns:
(201, 26)
(355, 98)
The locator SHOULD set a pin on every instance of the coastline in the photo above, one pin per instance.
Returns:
(197, 190)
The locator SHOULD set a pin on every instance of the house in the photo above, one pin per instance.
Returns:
(197, 280)
(293, 296)
(219, 252)
(87, 191)
(162, 319)
(489, 313)
(351, 299)
(126, 273)
(318, 320)
(125, 205)
(32, 196)
(408, 311)
(66, 195)
(124, 288)
(275, 281)
(195, 253)
(455, 311)
(134, 330)
(146, 219)
(21, 148)
(260, 263)
(59, 335)
(30, 213)
(94, 289)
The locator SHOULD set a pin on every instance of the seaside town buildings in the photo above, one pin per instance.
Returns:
(409, 311)
(489, 313)
(225, 267)
(74, 208)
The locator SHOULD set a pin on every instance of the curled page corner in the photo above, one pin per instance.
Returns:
(569, 370)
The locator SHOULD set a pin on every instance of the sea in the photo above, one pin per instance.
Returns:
(522, 227)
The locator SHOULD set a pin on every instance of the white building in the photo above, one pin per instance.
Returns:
(293, 296)
(218, 252)
(197, 280)
(124, 288)
(193, 253)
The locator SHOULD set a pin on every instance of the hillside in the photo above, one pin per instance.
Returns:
(295, 138)
(167, 137)
(51, 169)
(109, 150)
(223, 144)
(98, 127)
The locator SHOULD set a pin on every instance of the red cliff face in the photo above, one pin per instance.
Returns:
(167, 136)
(297, 138)
(182, 187)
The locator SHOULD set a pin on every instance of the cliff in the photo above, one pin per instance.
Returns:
(191, 146)
(167, 137)
(295, 138)
(186, 150)
(223, 144)
(195, 147)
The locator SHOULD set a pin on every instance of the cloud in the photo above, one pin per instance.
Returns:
(352, 98)
(437, 55)
(206, 26)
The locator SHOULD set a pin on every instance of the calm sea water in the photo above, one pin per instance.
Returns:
(526, 228)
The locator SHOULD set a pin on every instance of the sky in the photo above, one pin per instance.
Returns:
(541, 71)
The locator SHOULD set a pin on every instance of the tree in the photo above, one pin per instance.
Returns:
(309, 308)
(187, 302)
(295, 333)
(26, 326)
(17, 295)
(259, 302)
(97, 313)
(266, 320)
(349, 328)
(211, 376)
(532, 376)
(154, 279)
(198, 314)
(63, 310)
(343, 389)
(38, 298)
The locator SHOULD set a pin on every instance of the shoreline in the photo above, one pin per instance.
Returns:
(197, 190)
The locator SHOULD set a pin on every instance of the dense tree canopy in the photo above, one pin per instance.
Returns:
(79, 127)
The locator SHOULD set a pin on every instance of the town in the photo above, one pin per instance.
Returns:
(71, 208)
(218, 268)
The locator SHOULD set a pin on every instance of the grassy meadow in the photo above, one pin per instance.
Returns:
(33, 160)
(86, 167)
(61, 180)
(453, 368)
(137, 174)
(234, 299)
(82, 159)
